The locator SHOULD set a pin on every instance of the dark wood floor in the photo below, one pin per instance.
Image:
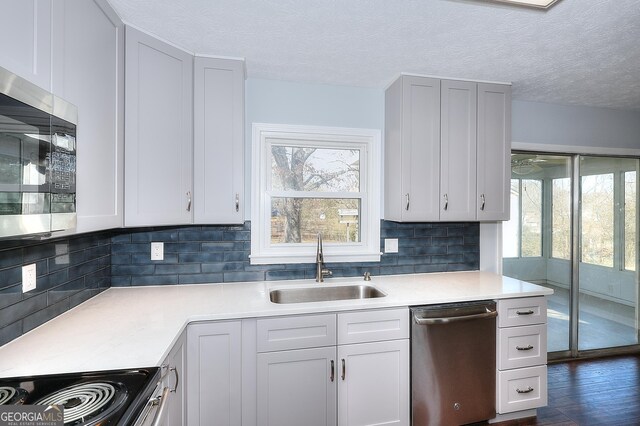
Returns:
(602, 391)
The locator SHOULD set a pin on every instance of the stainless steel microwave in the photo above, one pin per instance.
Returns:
(37, 160)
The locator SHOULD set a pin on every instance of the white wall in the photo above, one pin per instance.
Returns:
(284, 102)
(552, 124)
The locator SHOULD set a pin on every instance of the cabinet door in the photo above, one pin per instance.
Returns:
(88, 71)
(458, 151)
(174, 369)
(159, 148)
(297, 387)
(25, 28)
(218, 141)
(373, 385)
(494, 151)
(412, 149)
(214, 374)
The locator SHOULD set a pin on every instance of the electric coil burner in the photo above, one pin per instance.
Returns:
(89, 399)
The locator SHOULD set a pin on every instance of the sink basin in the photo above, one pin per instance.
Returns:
(324, 293)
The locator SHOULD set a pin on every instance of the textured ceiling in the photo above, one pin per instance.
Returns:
(582, 52)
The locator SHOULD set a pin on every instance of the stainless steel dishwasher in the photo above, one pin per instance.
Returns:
(453, 363)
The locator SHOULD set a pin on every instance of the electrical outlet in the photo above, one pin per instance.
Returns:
(28, 277)
(157, 251)
(390, 245)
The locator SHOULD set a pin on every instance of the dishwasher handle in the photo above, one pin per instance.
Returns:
(447, 320)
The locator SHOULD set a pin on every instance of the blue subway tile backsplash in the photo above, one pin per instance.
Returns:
(68, 271)
(71, 270)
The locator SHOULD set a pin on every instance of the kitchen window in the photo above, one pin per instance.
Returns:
(310, 180)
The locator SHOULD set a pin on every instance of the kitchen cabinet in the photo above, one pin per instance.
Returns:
(25, 28)
(88, 71)
(447, 148)
(361, 358)
(158, 134)
(521, 355)
(173, 370)
(218, 121)
(214, 373)
(412, 150)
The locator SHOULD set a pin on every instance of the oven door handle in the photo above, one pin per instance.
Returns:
(162, 400)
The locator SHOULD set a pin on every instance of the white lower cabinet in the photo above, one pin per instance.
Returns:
(364, 383)
(521, 355)
(214, 374)
(173, 370)
(374, 383)
(297, 387)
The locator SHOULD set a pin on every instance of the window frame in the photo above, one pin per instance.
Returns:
(368, 141)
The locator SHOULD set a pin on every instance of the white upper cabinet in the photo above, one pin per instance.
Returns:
(412, 149)
(158, 134)
(458, 151)
(494, 149)
(447, 147)
(218, 121)
(88, 71)
(25, 28)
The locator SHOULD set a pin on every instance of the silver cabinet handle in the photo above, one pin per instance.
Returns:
(406, 207)
(344, 370)
(237, 202)
(482, 202)
(446, 201)
(524, 348)
(175, 371)
(446, 320)
(188, 201)
(333, 371)
(162, 400)
(527, 390)
(529, 312)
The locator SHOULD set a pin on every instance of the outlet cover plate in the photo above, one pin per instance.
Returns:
(390, 245)
(28, 277)
(157, 251)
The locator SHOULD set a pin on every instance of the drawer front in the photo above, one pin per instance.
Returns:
(296, 332)
(524, 311)
(522, 346)
(373, 326)
(522, 389)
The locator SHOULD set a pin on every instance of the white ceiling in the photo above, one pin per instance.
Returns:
(582, 52)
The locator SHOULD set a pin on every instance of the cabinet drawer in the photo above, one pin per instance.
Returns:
(522, 389)
(524, 311)
(373, 326)
(522, 346)
(296, 332)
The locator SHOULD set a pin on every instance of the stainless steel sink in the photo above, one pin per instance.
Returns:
(324, 293)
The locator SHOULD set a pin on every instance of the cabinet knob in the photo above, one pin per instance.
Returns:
(446, 201)
(344, 369)
(333, 371)
(406, 207)
(482, 202)
(188, 201)
(237, 202)
(175, 371)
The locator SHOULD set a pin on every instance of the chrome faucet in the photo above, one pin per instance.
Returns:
(321, 271)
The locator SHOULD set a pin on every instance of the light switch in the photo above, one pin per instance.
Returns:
(390, 245)
(157, 251)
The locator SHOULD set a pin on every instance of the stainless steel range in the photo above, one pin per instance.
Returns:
(122, 397)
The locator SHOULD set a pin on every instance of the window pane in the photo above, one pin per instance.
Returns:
(298, 220)
(314, 169)
(531, 218)
(630, 202)
(597, 219)
(511, 229)
(561, 218)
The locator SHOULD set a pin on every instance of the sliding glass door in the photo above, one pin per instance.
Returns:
(573, 229)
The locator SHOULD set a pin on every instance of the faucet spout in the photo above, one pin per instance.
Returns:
(321, 271)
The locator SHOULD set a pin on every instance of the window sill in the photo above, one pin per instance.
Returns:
(289, 258)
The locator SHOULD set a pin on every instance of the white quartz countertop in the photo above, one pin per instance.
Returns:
(135, 327)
